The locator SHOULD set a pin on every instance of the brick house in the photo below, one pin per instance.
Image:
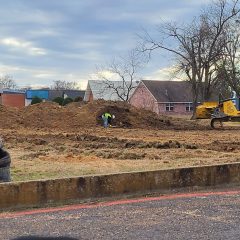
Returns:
(12, 98)
(163, 97)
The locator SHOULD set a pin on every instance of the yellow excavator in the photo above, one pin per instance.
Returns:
(219, 112)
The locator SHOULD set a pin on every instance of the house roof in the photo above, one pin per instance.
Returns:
(101, 90)
(169, 91)
(70, 93)
(11, 91)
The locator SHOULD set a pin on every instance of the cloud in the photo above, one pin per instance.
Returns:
(87, 56)
(145, 13)
(50, 39)
(35, 77)
(23, 12)
(155, 16)
(104, 74)
(6, 69)
(36, 86)
(15, 44)
(43, 32)
(166, 73)
(199, 2)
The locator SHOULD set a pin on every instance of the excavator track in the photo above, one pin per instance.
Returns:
(217, 123)
(225, 122)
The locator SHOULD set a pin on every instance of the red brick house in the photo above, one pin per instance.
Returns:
(163, 97)
(12, 98)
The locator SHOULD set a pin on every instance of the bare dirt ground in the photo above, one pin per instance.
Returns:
(48, 141)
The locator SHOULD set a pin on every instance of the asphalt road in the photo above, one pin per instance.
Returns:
(182, 216)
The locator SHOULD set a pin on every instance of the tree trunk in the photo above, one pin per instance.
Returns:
(195, 103)
(195, 91)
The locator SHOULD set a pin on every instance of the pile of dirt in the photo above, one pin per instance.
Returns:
(51, 116)
(127, 116)
(76, 104)
(131, 117)
(46, 115)
(9, 117)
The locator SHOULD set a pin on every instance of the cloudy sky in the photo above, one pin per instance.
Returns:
(46, 40)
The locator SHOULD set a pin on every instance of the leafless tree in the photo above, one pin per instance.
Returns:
(63, 85)
(228, 69)
(7, 82)
(197, 46)
(124, 70)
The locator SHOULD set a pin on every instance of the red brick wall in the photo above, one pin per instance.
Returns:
(13, 99)
(179, 108)
(142, 98)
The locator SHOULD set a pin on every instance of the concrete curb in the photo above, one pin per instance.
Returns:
(37, 193)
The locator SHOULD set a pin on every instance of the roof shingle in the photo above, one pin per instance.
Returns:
(169, 91)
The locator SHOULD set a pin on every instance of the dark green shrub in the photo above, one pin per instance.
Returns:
(66, 101)
(36, 100)
(58, 100)
(78, 99)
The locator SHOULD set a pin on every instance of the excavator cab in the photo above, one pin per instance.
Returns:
(236, 102)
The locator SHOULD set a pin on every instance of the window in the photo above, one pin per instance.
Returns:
(169, 107)
(189, 107)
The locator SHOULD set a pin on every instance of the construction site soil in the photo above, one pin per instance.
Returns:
(47, 140)
(50, 115)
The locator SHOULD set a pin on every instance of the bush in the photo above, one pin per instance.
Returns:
(66, 101)
(36, 100)
(78, 99)
(58, 100)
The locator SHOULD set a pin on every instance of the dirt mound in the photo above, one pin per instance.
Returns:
(51, 116)
(76, 104)
(9, 117)
(129, 116)
(126, 115)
